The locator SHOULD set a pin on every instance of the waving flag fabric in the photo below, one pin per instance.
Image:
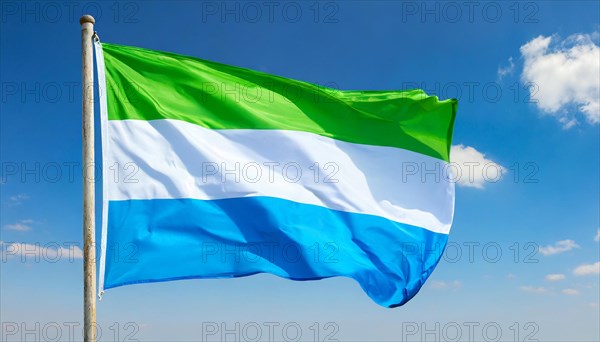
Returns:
(213, 171)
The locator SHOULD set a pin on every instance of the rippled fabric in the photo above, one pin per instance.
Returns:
(148, 85)
(166, 116)
(160, 240)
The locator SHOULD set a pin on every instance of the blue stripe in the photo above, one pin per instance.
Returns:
(169, 239)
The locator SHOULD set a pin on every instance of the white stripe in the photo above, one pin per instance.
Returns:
(166, 159)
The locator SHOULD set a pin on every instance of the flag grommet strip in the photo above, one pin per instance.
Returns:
(105, 146)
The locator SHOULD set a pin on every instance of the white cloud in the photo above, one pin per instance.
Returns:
(507, 70)
(438, 285)
(568, 123)
(597, 237)
(532, 289)
(18, 199)
(555, 277)
(21, 226)
(559, 247)
(511, 276)
(587, 269)
(473, 168)
(564, 74)
(570, 292)
(51, 252)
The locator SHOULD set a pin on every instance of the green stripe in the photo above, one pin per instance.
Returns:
(150, 85)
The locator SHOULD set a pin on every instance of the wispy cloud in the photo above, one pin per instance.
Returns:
(30, 252)
(570, 292)
(564, 74)
(506, 70)
(587, 269)
(21, 226)
(533, 289)
(18, 199)
(439, 285)
(555, 277)
(475, 169)
(559, 247)
(597, 237)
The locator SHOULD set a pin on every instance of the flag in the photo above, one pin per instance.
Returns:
(216, 171)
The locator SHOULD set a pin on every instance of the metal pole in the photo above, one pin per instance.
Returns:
(89, 231)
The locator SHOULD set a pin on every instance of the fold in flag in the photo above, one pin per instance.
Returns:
(215, 171)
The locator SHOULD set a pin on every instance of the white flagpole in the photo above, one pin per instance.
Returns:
(89, 229)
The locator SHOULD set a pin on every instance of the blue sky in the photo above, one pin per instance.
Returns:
(542, 216)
